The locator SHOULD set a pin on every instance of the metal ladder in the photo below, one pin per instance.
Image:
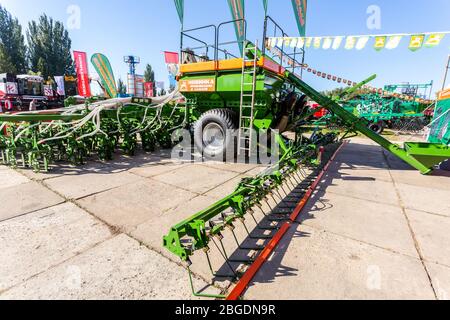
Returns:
(247, 102)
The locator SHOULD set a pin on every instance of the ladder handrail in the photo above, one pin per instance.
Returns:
(245, 49)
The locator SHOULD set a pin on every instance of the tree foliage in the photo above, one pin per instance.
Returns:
(149, 75)
(121, 87)
(12, 44)
(49, 47)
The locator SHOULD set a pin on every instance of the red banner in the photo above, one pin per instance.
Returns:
(171, 57)
(84, 88)
(148, 87)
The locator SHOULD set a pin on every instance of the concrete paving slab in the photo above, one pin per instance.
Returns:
(233, 167)
(436, 180)
(431, 200)
(157, 168)
(361, 187)
(314, 264)
(152, 231)
(79, 186)
(26, 198)
(63, 169)
(10, 178)
(378, 224)
(440, 276)
(348, 172)
(33, 243)
(433, 236)
(116, 269)
(226, 188)
(197, 178)
(128, 206)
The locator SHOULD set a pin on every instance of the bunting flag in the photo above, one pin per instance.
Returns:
(317, 42)
(179, 4)
(327, 42)
(350, 42)
(380, 43)
(434, 40)
(362, 42)
(238, 13)
(393, 42)
(337, 42)
(416, 42)
(300, 8)
(289, 61)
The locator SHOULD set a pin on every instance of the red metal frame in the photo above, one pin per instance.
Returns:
(243, 283)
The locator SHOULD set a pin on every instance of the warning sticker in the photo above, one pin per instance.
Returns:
(198, 85)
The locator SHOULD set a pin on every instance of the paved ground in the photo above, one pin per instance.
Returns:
(373, 230)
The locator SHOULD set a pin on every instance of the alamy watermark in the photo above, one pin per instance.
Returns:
(74, 18)
(374, 18)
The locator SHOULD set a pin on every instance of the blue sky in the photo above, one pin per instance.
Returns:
(147, 27)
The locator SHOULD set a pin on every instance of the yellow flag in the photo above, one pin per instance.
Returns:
(317, 42)
(350, 42)
(380, 42)
(416, 42)
(434, 40)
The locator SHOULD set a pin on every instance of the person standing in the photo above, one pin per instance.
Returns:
(33, 105)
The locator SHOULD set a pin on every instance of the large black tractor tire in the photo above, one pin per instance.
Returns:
(215, 132)
(377, 127)
(445, 165)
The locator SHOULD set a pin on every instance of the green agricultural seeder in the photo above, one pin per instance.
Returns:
(232, 96)
(35, 139)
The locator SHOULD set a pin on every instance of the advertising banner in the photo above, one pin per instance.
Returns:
(60, 88)
(148, 86)
(300, 9)
(106, 74)
(84, 88)
(238, 13)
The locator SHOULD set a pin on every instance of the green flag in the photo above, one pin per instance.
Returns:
(237, 8)
(105, 72)
(265, 3)
(416, 42)
(179, 4)
(300, 8)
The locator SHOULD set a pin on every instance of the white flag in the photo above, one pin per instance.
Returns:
(362, 41)
(280, 42)
(273, 42)
(300, 43)
(327, 42)
(293, 42)
(337, 42)
(393, 42)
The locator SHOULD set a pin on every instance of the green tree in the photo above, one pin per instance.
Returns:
(12, 44)
(149, 76)
(49, 47)
(121, 87)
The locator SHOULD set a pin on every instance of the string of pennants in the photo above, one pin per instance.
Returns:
(291, 62)
(388, 41)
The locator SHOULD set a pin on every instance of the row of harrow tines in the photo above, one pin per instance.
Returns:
(73, 134)
(224, 240)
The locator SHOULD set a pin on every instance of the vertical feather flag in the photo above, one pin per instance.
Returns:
(238, 13)
(265, 4)
(179, 4)
(416, 42)
(300, 8)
